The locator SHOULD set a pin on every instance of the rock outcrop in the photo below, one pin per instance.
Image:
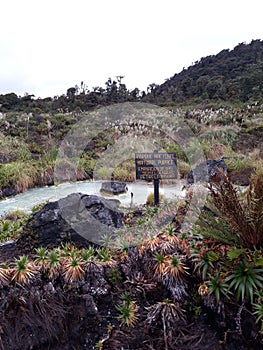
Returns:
(207, 171)
(79, 218)
(7, 191)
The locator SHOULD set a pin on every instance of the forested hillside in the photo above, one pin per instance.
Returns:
(235, 75)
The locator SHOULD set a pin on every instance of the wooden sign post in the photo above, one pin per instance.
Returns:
(154, 167)
(156, 191)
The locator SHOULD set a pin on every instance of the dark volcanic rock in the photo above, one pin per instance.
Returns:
(114, 187)
(8, 251)
(7, 191)
(207, 171)
(80, 218)
(241, 177)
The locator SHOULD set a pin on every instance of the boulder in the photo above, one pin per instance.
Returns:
(78, 218)
(207, 171)
(7, 191)
(114, 187)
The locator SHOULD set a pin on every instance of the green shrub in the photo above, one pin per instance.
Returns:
(11, 225)
(228, 240)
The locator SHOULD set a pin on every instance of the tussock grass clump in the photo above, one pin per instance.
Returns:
(150, 199)
(239, 163)
(22, 175)
(184, 168)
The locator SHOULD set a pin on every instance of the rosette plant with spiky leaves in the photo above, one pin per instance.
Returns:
(216, 286)
(205, 261)
(246, 279)
(54, 264)
(161, 263)
(73, 269)
(105, 256)
(24, 271)
(41, 258)
(128, 311)
(176, 268)
(88, 254)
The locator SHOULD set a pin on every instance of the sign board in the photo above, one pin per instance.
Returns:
(156, 166)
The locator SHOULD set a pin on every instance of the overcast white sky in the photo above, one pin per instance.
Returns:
(47, 46)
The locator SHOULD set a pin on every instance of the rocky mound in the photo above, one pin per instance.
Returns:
(78, 218)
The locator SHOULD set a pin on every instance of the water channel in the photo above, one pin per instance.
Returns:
(27, 200)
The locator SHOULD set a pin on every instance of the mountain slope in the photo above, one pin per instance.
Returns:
(231, 74)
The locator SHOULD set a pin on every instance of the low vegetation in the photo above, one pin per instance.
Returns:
(11, 225)
(227, 245)
(219, 262)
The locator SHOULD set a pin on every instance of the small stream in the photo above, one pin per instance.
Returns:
(27, 200)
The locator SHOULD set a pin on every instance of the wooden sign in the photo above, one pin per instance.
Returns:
(156, 166)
